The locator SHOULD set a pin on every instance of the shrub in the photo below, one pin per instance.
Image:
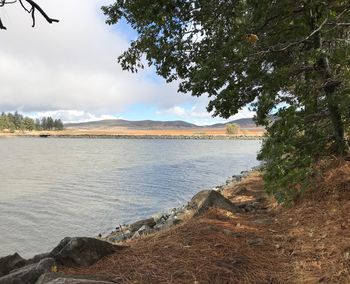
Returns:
(232, 129)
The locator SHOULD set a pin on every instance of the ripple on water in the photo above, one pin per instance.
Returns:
(52, 188)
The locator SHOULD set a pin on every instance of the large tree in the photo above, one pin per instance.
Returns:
(243, 51)
(287, 58)
(30, 7)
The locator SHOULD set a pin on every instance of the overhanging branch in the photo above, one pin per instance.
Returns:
(292, 44)
(33, 8)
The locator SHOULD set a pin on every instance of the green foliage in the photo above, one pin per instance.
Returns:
(232, 128)
(12, 122)
(290, 150)
(290, 58)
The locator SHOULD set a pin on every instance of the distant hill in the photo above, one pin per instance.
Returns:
(243, 123)
(142, 124)
(151, 124)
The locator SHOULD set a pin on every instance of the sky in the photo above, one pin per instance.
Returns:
(69, 70)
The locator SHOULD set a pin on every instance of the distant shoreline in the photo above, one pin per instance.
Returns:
(147, 136)
(127, 133)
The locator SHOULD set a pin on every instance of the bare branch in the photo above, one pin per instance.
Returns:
(288, 46)
(304, 39)
(339, 24)
(24, 7)
(34, 7)
(2, 27)
(3, 2)
(41, 11)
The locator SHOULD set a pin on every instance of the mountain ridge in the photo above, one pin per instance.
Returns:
(154, 124)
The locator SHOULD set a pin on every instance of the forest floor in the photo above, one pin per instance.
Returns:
(307, 243)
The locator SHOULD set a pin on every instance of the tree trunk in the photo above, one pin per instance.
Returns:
(338, 126)
(333, 106)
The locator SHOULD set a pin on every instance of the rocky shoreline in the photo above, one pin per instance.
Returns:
(165, 220)
(83, 252)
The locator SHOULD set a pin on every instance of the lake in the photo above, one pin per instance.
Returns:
(53, 188)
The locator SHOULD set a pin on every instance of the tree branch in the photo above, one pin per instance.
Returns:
(339, 24)
(303, 40)
(284, 48)
(3, 2)
(34, 7)
(2, 27)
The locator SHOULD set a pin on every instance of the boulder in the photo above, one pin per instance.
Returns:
(119, 236)
(160, 218)
(137, 225)
(37, 258)
(11, 262)
(172, 221)
(82, 251)
(205, 199)
(29, 274)
(60, 278)
(136, 236)
(144, 230)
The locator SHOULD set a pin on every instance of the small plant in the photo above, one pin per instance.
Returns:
(232, 129)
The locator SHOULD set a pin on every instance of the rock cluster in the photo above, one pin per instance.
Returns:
(198, 205)
(147, 226)
(70, 252)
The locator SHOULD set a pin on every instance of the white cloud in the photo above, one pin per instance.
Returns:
(68, 116)
(200, 116)
(71, 64)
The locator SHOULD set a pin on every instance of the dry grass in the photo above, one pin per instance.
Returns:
(317, 229)
(219, 247)
(212, 249)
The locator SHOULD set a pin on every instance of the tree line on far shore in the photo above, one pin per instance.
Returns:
(15, 121)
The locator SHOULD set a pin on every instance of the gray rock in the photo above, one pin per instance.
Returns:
(251, 206)
(59, 278)
(135, 236)
(172, 221)
(160, 218)
(11, 262)
(117, 238)
(205, 199)
(137, 225)
(29, 274)
(82, 251)
(256, 241)
(144, 230)
(218, 188)
(37, 258)
(237, 178)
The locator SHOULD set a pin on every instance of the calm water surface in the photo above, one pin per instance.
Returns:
(52, 188)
